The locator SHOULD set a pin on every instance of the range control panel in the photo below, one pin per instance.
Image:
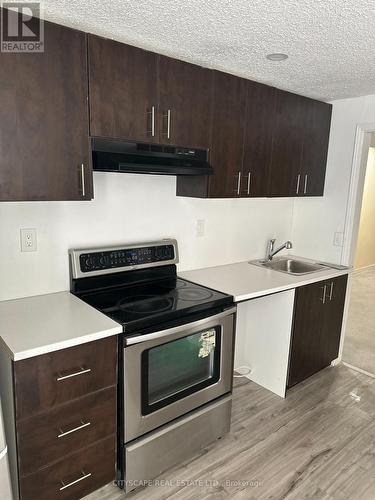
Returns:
(127, 257)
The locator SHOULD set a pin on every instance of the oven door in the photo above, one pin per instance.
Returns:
(171, 372)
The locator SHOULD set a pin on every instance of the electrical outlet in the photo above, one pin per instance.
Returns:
(338, 239)
(28, 240)
(200, 227)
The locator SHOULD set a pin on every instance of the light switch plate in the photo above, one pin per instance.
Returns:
(200, 227)
(28, 240)
(338, 239)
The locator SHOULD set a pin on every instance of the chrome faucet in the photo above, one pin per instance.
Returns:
(270, 249)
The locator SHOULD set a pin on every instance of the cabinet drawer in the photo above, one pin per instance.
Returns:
(74, 477)
(46, 381)
(47, 438)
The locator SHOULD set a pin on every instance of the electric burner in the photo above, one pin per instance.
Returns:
(195, 294)
(145, 304)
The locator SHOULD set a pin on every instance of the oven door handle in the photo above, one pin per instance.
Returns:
(166, 333)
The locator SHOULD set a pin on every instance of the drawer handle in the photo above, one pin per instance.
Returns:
(74, 374)
(65, 433)
(84, 476)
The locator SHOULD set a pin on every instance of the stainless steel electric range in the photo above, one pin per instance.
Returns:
(175, 355)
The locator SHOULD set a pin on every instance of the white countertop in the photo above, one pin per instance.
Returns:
(45, 323)
(245, 281)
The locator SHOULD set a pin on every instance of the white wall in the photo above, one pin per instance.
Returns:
(131, 208)
(317, 219)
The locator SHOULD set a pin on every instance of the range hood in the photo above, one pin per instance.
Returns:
(110, 155)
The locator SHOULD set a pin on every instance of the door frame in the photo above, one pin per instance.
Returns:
(353, 212)
(355, 195)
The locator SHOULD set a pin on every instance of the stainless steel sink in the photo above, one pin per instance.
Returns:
(289, 266)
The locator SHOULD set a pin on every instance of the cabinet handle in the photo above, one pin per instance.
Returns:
(167, 115)
(323, 299)
(74, 374)
(65, 433)
(152, 113)
(83, 179)
(298, 183)
(248, 182)
(169, 124)
(331, 291)
(83, 476)
(239, 183)
(305, 186)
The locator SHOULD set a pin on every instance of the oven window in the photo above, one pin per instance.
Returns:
(176, 369)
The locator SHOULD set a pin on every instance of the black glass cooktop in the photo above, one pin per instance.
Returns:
(140, 305)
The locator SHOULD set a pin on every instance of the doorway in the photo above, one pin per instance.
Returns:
(359, 343)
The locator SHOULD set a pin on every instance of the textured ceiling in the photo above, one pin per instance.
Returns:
(330, 43)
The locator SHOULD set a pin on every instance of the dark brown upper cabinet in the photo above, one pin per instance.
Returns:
(317, 116)
(44, 120)
(300, 144)
(264, 142)
(260, 112)
(141, 96)
(241, 141)
(123, 91)
(185, 96)
(226, 154)
(286, 150)
(318, 315)
(228, 123)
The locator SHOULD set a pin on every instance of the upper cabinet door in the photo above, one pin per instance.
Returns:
(44, 147)
(260, 114)
(123, 91)
(315, 146)
(286, 176)
(185, 92)
(227, 136)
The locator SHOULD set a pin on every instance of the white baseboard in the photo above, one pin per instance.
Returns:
(359, 269)
(359, 370)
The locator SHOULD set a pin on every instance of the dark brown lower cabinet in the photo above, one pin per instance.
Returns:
(73, 477)
(318, 314)
(46, 438)
(43, 382)
(65, 421)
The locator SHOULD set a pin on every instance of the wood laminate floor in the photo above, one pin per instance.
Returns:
(318, 443)
(359, 344)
